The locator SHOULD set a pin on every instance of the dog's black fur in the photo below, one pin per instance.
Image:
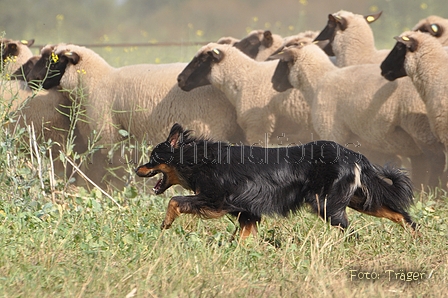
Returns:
(249, 182)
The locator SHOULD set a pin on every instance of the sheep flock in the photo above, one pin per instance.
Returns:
(259, 90)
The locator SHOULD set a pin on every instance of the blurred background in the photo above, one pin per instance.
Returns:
(184, 22)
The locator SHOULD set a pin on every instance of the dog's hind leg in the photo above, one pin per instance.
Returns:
(248, 224)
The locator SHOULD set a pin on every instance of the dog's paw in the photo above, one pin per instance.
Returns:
(165, 226)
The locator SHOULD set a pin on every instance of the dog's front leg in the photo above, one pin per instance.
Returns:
(195, 204)
(172, 213)
(248, 224)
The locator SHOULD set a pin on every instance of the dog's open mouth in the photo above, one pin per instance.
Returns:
(145, 171)
(160, 186)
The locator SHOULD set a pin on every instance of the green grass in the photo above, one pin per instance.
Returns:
(89, 247)
(59, 240)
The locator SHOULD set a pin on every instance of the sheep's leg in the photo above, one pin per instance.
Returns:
(189, 204)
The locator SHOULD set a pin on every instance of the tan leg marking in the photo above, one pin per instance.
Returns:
(248, 229)
(172, 213)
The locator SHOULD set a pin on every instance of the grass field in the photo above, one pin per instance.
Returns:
(59, 240)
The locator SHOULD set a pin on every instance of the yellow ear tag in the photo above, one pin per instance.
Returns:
(216, 51)
(405, 38)
(338, 17)
(434, 28)
(24, 41)
(370, 19)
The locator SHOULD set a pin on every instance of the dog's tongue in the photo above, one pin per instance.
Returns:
(158, 184)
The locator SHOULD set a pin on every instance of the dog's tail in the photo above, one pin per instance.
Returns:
(385, 191)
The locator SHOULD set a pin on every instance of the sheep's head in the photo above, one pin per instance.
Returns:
(10, 49)
(280, 79)
(393, 67)
(196, 73)
(22, 73)
(340, 21)
(52, 65)
(250, 45)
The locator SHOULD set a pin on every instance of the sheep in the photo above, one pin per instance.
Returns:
(352, 104)
(142, 99)
(246, 84)
(46, 110)
(289, 111)
(259, 44)
(351, 38)
(436, 26)
(352, 42)
(423, 59)
(304, 37)
(14, 54)
(228, 40)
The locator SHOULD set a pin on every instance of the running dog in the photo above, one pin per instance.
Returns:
(248, 182)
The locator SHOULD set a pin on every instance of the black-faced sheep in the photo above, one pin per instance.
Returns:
(421, 57)
(14, 54)
(47, 111)
(351, 38)
(144, 100)
(246, 84)
(43, 109)
(436, 26)
(259, 44)
(351, 105)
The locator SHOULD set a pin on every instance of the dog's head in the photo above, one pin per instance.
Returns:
(164, 159)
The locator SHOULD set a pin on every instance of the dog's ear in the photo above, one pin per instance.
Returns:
(175, 136)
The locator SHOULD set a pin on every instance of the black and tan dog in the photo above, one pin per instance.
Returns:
(248, 182)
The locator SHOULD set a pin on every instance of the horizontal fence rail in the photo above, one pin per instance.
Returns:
(142, 44)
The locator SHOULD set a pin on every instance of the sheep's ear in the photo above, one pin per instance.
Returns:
(338, 20)
(267, 39)
(216, 54)
(435, 30)
(28, 43)
(409, 42)
(72, 57)
(175, 136)
(285, 56)
(372, 17)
